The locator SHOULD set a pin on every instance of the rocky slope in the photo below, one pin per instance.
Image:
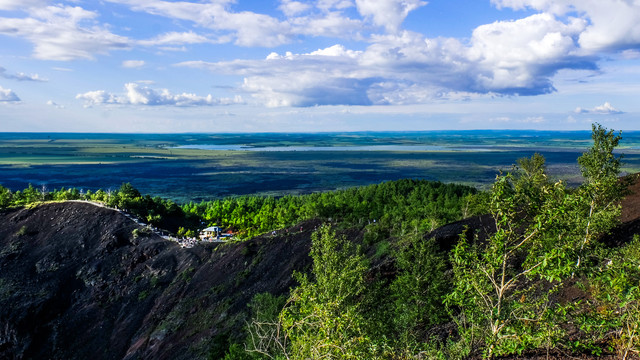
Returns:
(76, 283)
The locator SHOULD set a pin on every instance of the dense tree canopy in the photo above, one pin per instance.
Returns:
(403, 205)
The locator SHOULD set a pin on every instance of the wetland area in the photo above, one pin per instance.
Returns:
(187, 167)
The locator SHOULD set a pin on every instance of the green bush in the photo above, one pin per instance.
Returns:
(617, 290)
(323, 317)
(419, 289)
(22, 231)
(544, 235)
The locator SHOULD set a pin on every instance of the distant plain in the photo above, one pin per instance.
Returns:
(194, 167)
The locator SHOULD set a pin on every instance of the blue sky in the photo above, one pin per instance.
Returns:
(318, 65)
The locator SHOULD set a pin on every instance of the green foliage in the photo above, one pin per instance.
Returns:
(382, 249)
(27, 196)
(543, 232)
(475, 204)
(392, 205)
(418, 290)
(396, 206)
(617, 290)
(323, 318)
(236, 352)
(22, 231)
(5, 197)
(599, 165)
(155, 211)
(186, 233)
(488, 281)
(601, 190)
(140, 232)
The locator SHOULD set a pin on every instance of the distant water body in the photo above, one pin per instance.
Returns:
(330, 148)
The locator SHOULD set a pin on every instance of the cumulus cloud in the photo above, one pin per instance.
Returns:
(521, 56)
(20, 76)
(383, 74)
(518, 57)
(292, 8)
(604, 109)
(387, 13)
(246, 28)
(7, 95)
(63, 33)
(146, 96)
(130, 64)
(297, 79)
(331, 24)
(612, 25)
(407, 68)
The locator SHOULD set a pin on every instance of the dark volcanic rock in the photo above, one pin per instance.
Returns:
(76, 284)
(478, 227)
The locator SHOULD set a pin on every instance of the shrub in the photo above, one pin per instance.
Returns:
(617, 289)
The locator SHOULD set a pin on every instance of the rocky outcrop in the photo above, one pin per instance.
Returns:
(77, 283)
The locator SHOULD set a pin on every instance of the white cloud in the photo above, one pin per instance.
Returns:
(133, 64)
(395, 70)
(330, 24)
(630, 54)
(327, 5)
(7, 95)
(146, 96)
(521, 56)
(247, 28)
(292, 8)
(63, 33)
(98, 97)
(20, 76)
(388, 13)
(604, 109)
(176, 38)
(54, 104)
(517, 57)
(336, 50)
(21, 4)
(172, 48)
(612, 24)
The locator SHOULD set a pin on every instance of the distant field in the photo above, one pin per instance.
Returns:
(278, 164)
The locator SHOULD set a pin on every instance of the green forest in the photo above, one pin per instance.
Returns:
(398, 206)
(501, 295)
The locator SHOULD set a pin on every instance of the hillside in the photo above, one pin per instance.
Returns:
(77, 284)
